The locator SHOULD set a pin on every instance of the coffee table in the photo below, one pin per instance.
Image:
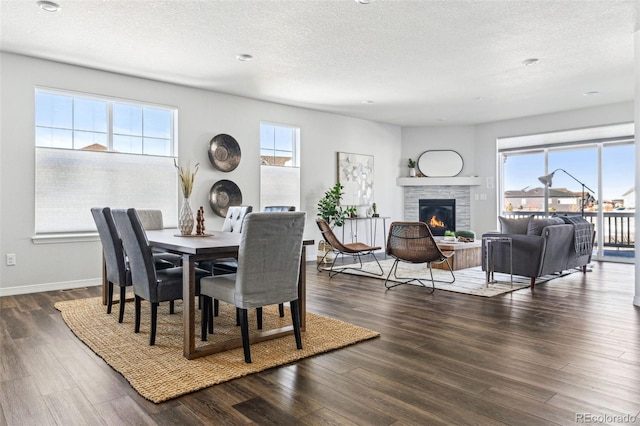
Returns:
(466, 255)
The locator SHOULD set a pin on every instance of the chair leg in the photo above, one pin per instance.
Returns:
(533, 282)
(259, 317)
(322, 261)
(333, 273)
(123, 296)
(237, 316)
(393, 268)
(110, 297)
(154, 324)
(171, 307)
(295, 319)
(216, 307)
(244, 328)
(204, 317)
(212, 302)
(137, 302)
(281, 310)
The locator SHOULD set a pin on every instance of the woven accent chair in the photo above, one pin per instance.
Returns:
(268, 271)
(148, 283)
(413, 242)
(356, 250)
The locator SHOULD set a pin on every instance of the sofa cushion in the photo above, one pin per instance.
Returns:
(514, 225)
(536, 225)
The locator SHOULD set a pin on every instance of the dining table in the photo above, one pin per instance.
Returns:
(215, 245)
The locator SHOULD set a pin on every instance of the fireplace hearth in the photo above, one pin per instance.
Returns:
(438, 214)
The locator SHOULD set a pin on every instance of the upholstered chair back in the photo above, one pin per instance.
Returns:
(111, 245)
(280, 208)
(269, 259)
(136, 245)
(150, 219)
(233, 222)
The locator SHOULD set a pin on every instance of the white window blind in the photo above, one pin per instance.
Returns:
(70, 182)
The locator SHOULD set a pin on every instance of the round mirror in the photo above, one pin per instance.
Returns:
(440, 163)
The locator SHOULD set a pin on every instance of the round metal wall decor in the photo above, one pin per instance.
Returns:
(224, 152)
(223, 194)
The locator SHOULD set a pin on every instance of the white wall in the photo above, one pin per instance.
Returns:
(477, 146)
(202, 115)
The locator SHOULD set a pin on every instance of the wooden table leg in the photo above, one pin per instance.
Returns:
(189, 314)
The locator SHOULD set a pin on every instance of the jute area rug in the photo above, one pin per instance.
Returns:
(161, 372)
(468, 281)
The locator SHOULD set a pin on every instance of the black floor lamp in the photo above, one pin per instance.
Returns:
(546, 180)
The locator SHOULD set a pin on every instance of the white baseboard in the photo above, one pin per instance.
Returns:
(37, 288)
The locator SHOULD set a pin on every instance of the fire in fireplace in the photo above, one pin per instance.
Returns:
(438, 214)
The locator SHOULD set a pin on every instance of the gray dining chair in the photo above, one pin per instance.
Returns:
(268, 271)
(279, 209)
(148, 283)
(152, 220)
(233, 222)
(117, 272)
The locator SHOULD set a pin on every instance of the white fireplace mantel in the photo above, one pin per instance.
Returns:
(440, 181)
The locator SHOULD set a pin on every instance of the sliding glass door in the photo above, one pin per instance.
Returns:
(592, 179)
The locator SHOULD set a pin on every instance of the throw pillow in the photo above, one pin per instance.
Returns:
(514, 225)
(536, 225)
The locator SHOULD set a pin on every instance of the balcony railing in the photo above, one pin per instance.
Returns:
(618, 230)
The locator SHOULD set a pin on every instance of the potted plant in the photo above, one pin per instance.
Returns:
(329, 209)
(449, 236)
(412, 168)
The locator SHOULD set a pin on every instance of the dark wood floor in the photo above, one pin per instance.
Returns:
(570, 348)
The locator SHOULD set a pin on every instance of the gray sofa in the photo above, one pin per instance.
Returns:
(542, 246)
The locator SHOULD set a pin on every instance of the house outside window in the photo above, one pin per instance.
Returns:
(94, 151)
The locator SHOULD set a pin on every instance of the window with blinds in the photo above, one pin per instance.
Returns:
(93, 151)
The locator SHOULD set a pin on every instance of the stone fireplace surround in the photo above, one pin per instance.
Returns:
(461, 193)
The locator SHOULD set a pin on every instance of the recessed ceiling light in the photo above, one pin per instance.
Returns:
(363, 1)
(49, 6)
(530, 61)
(244, 57)
(367, 102)
(591, 93)
(442, 119)
(478, 98)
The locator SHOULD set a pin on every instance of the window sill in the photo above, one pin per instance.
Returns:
(71, 237)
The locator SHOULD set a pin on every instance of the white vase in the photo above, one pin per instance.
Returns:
(412, 172)
(185, 219)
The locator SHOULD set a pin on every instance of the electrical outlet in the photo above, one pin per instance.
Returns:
(11, 259)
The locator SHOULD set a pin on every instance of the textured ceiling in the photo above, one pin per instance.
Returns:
(420, 62)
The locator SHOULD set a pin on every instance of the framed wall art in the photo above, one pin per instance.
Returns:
(355, 173)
